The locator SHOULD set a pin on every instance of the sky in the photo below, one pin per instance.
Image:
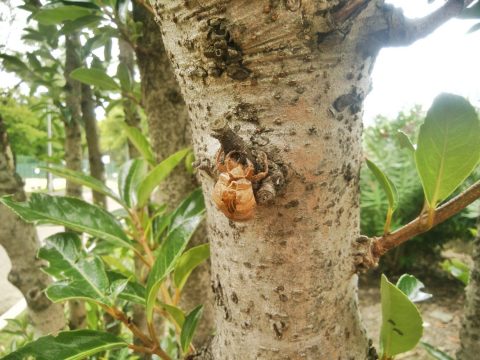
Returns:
(446, 61)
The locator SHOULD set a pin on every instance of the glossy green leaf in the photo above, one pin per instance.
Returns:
(72, 213)
(448, 146)
(80, 23)
(95, 77)
(78, 275)
(185, 220)
(157, 175)
(83, 179)
(189, 261)
(386, 183)
(132, 291)
(57, 15)
(457, 269)
(130, 176)
(412, 287)
(405, 141)
(68, 345)
(177, 314)
(140, 142)
(435, 352)
(189, 327)
(401, 322)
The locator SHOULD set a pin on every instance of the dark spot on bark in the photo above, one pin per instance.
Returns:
(174, 96)
(292, 204)
(224, 51)
(278, 328)
(234, 298)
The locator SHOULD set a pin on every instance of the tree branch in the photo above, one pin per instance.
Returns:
(369, 251)
(403, 31)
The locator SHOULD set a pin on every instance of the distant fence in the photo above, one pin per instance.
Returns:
(28, 167)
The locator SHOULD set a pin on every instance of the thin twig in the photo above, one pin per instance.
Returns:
(418, 226)
(403, 31)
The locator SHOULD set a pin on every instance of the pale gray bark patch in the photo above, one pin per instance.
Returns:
(73, 95)
(97, 168)
(169, 131)
(21, 244)
(283, 282)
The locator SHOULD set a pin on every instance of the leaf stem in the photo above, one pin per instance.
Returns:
(388, 221)
(425, 221)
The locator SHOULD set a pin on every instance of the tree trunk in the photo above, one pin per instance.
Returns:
(73, 148)
(21, 244)
(291, 86)
(470, 331)
(73, 95)
(97, 168)
(169, 130)
(132, 117)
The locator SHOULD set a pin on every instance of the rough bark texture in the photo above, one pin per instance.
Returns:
(169, 130)
(97, 168)
(470, 331)
(21, 244)
(132, 117)
(291, 83)
(73, 95)
(73, 148)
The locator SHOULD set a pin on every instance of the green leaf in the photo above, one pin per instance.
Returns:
(474, 28)
(386, 183)
(401, 322)
(68, 345)
(95, 77)
(457, 269)
(57, 15)
(129, 178)
(82, 179)
(133, 291)
(140, 142)
(13, 63)
(123, 74)
(79, 275)
(472, 12)
(185, 220)
(405, 142)
(177, 314)
(448, 146)
(189, 327)
(157, 175)
(189, 261)
(80, 23)
(435, 352)
(72, 213)
(412, 287)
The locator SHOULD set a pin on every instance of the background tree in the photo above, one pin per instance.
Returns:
(169, 130)
(21, 243)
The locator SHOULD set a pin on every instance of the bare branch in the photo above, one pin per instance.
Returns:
(403, 31)
(369, 251)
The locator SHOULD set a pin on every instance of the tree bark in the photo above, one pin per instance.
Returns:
(470, 331)
(132, 117)
(291, 84)
(97, 168)
(73, 148)
(169, 130)
(73, 95)
(21, 244)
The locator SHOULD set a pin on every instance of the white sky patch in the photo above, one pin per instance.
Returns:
(445, 61)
